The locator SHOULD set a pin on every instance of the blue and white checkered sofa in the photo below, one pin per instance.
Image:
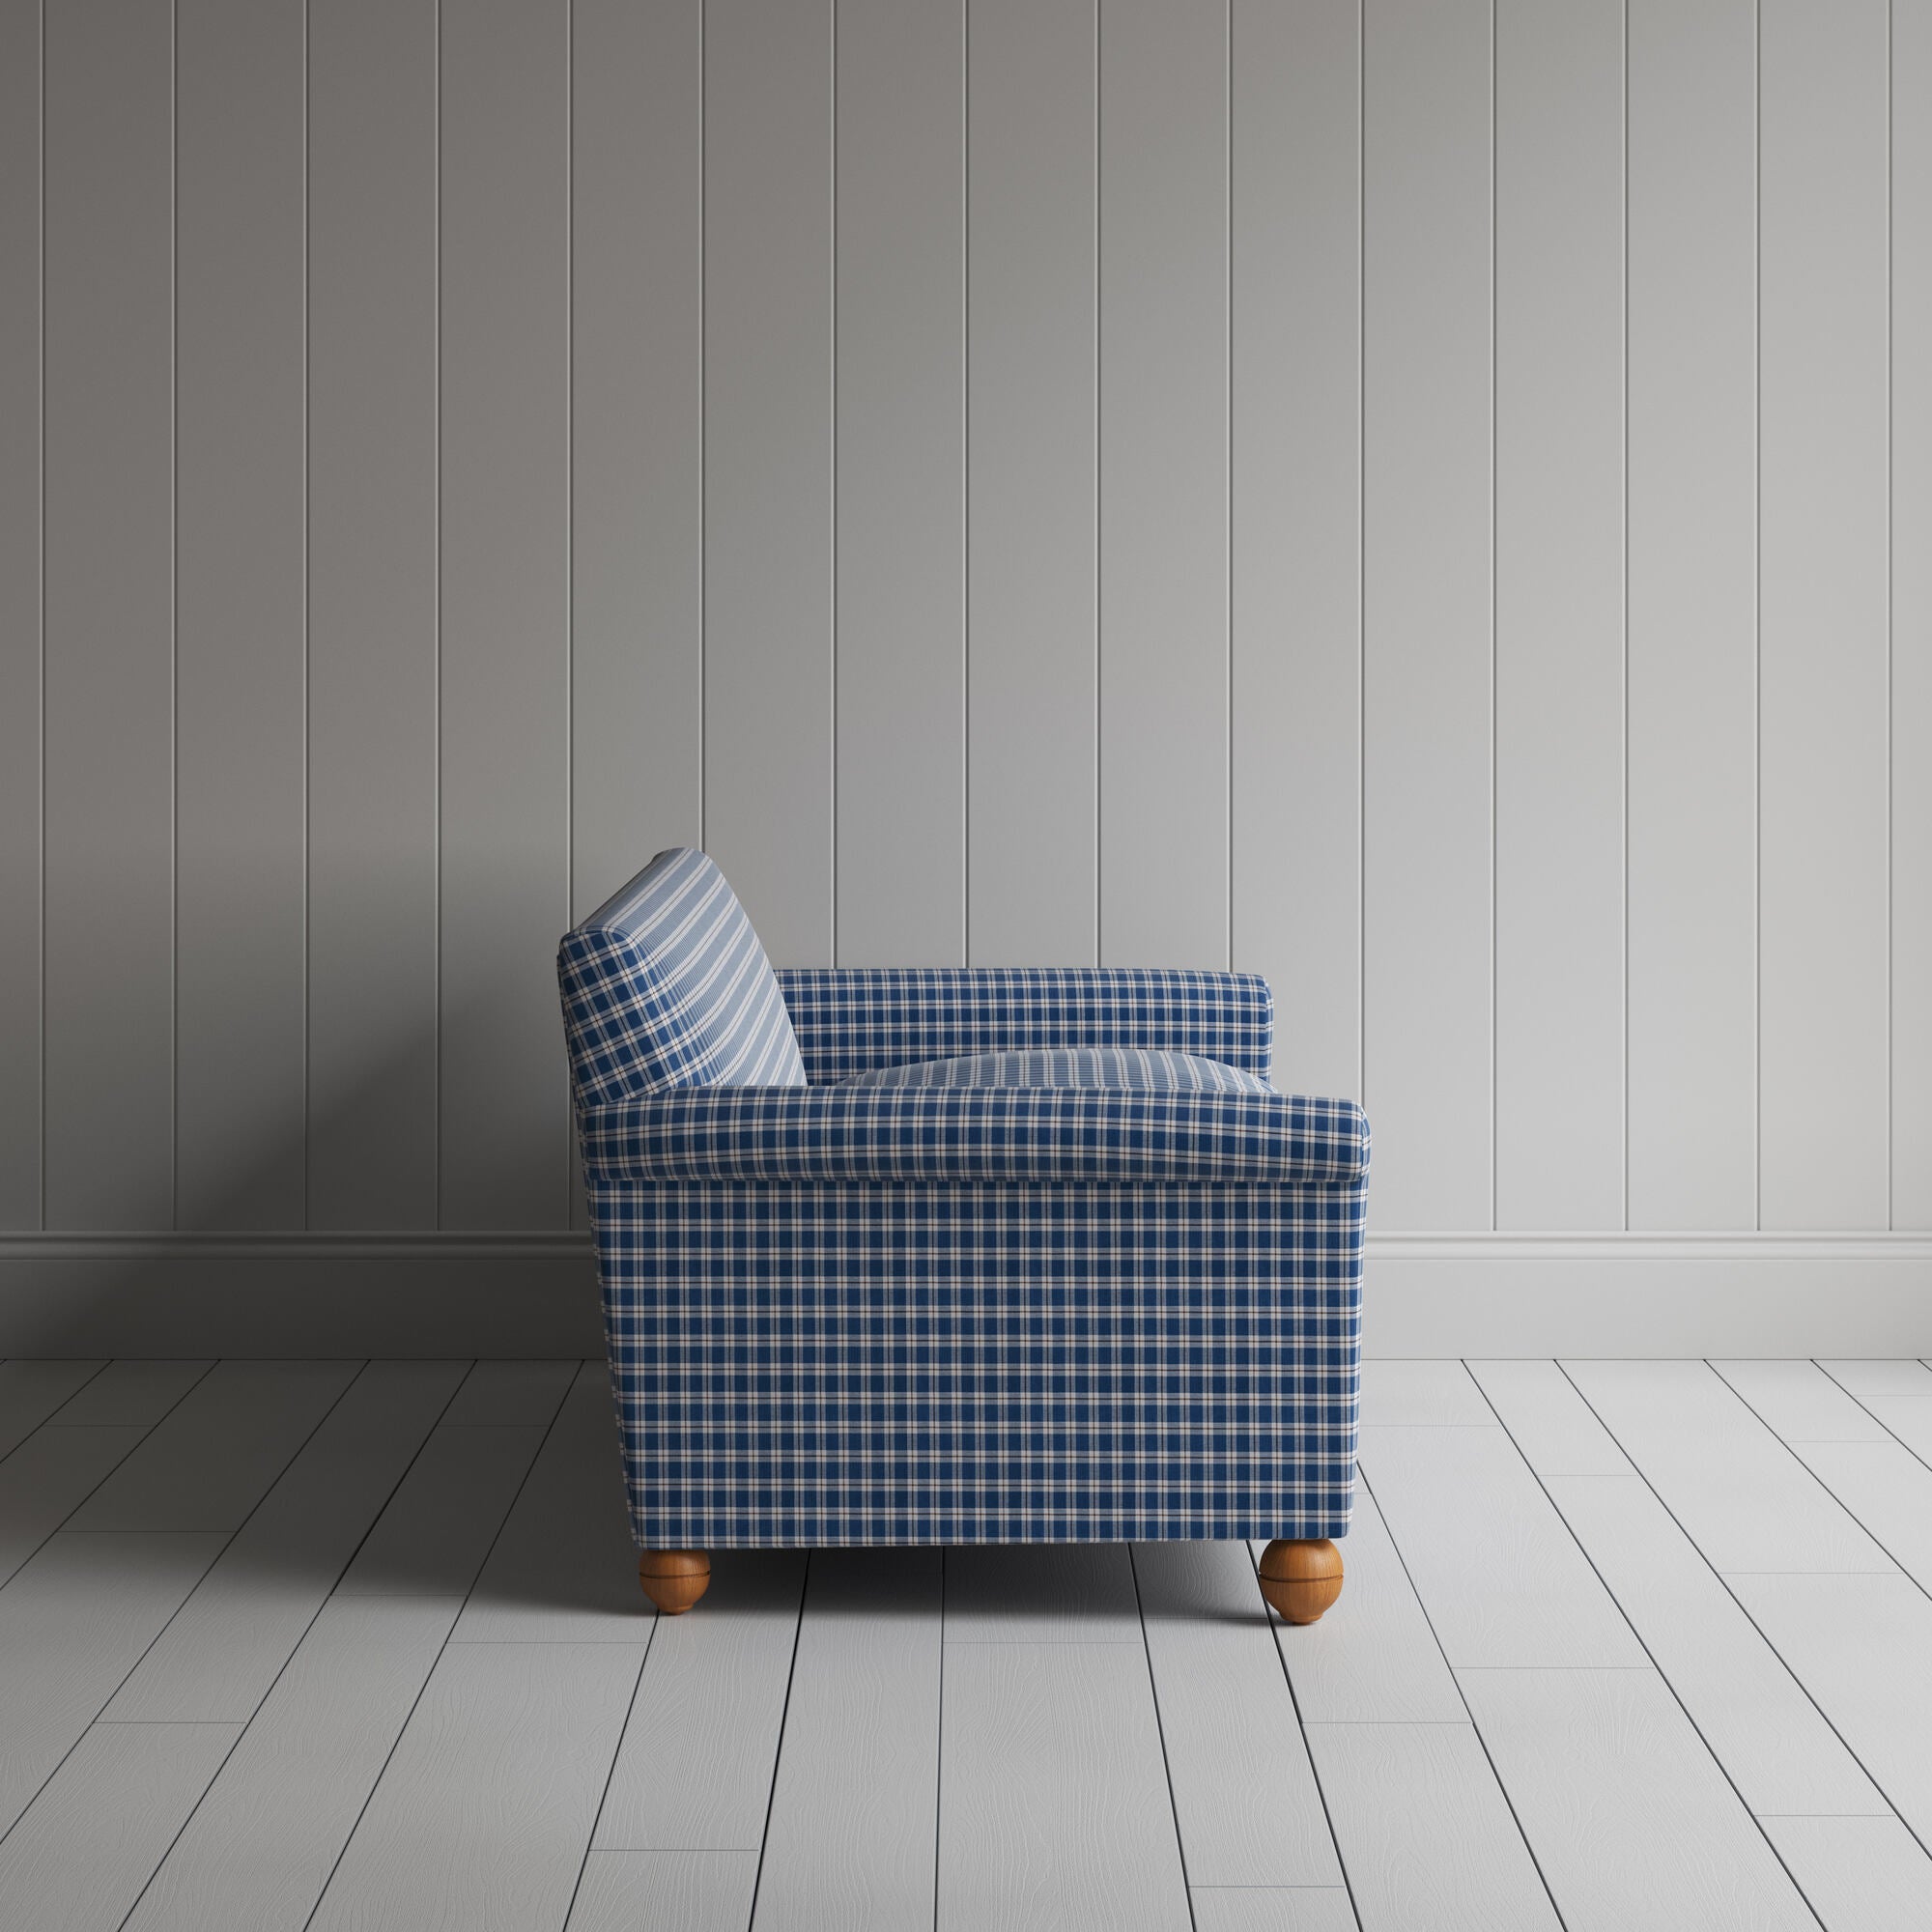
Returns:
(942, 1256)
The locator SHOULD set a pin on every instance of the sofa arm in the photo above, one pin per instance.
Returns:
(973, 1133)
(857, 1019)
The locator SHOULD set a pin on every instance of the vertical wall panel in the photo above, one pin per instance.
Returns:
(109, 590)
(1559, 615)
(1164, 483)
(1137, 508)
(505, 599)
(1031, 477)
(20, 613)
(901, 483)
(1693, 623)
(768, 465)
(239, 614)
(637, 437)
(1295, 440)
(372, 613)
(1426, 613)
(1911, 118)
(1823, 928)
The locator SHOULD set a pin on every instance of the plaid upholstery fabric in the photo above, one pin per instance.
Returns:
(665, 985)
(917, 1311)
(1056, 1362)
(853, 1021)
(1072, 1067)
(973, 1133)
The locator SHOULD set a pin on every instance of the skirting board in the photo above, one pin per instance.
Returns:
(535, 1294)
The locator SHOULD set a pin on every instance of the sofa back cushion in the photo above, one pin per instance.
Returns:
(665, 985)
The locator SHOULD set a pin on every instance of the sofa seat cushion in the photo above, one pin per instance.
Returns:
(1086, 1066)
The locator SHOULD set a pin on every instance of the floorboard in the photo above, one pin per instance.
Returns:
(1882, 1378)
(483, 1813)
(1055, 1809)
(73, 1621)
(1374, 1658)
(1426, 1834)
(693, 1773)
(1888, 1490)
(1745, 1499)
(130, 1392)
(1861, 1645)
(1799, 1402)
(1496, 1567)
(564, 1569)
(1251, 1909)
(1550, 1423)
(668, 1891)
(260, 1847)
(1907, 1417)
(1860, 1874)
(437, 1528)
(1244, 1793)
(218, 1656)
(48, 1477)
(1633, 1823)
(1041, 1593)
(855, 1806)
(215, 1454)
(1421, 1395)
(1753, 1714)
(80, 1855)
(31, 1391)
(526, 1393)
(1693, 1685)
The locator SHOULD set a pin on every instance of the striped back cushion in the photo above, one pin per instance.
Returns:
(665, 985)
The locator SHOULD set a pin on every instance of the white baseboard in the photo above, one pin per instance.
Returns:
(535, 1294)
(1480, 1296)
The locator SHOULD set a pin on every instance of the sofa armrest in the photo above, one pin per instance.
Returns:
(973, 1133)
(856, 1020)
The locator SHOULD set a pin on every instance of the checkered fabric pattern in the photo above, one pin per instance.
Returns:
(665, 985)
(854, 1134)
(827, 1365)
(1072, 1066)
(857, 1020)
(912, 1310)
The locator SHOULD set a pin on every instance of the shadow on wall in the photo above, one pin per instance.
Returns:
(229, 1286)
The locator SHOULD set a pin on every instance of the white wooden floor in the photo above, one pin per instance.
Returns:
(1623, 1644)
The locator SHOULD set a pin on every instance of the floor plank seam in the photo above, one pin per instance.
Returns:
(778, 1752)
(611, 1770)
(228, 1543)
(294, 1650)
(1160, 1733)
(133, 1447)
(1662, 1675)
(1923, 1589)
(1314, 1767)
(1543, 1878)
(57, 1407)
(939, 1746)
(1804, 1689)
(416, 1703)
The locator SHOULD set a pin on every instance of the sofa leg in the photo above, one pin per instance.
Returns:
(1301, 1577)
(674, 1580)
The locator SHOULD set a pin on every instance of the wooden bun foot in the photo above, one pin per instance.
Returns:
(1301, 1577)
(674, 1580)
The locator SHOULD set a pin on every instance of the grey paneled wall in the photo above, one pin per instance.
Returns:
(1423, 500)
